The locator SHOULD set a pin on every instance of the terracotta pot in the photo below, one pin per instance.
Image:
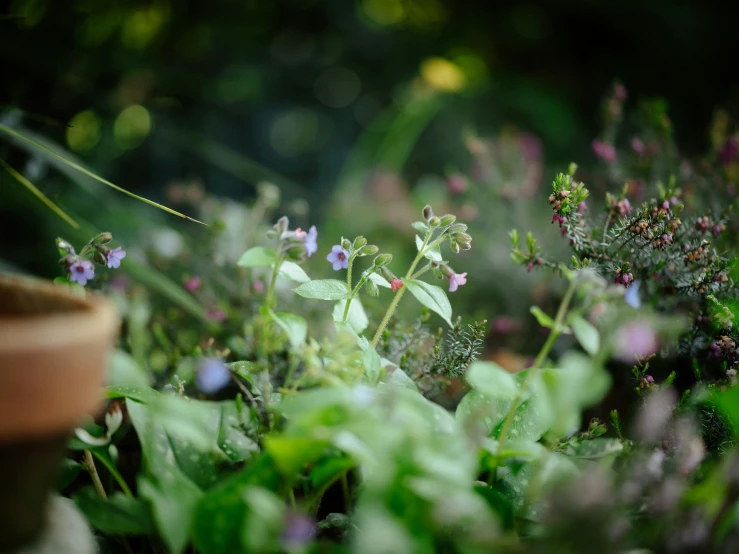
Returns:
(53, 355)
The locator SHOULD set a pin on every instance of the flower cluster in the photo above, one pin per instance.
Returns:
(296, 245)
(79, 267)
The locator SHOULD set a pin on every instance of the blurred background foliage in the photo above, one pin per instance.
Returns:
(360, 111)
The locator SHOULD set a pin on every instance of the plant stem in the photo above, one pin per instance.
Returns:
(388, 315)
(399, 294)
(116, 475)
(90, 464)
(275, 271)
(348, 288)
(532, 371)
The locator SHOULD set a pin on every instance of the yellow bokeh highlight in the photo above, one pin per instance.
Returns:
(443, 75)
(131, 127)
(83, 132)
(142, 26)
(384, 12)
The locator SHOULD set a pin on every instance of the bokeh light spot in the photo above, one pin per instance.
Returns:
(83, 132)
(384, 12)
(131, 127)
(294, 133)
(443, 75)
(337, 87)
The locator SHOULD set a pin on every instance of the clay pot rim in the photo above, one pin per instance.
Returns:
(82, 320)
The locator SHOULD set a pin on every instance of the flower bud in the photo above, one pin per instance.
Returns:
(464, 237)
(346, 244)
(99, 258)
(103, 249)
(465, 245)
(67, 261)
(102, 238)
(434, 221)
(448, 219)
(383, 259)
(438, 273)
(359, 242)
(371, 288)
(272, 234)
(282, 225)
(369, 250)
(457, 228)
(427, 212)
(454, 246)
(64, 247)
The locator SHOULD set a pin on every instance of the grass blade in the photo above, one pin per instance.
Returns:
(40, 195)
(89, 173)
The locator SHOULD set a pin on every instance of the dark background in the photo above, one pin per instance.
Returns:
(220, 74)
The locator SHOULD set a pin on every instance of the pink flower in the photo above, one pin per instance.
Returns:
(215, 314)
(192, 284)
(637, 145)
(635, 340)
(115, 256)
(457, 184)
(456, 280)
(300, 233)
(81, 271)
(604, 151)
(396, 284)
(258, 286)
(581, 207)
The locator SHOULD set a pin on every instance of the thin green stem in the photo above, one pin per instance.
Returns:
(421, 271)
(532, 372)
(388, 315)
(92, 470)
(348, 288)
(116, 475)
(409, 275)
(275, 271)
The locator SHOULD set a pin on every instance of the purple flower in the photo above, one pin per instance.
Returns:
(338, 257)
(311, 241)
(115, 256)
(298, 530)
(604, 151)
(457, 279)
(212, 376)
(215, 314)
(81, 271)
(192, 284)
(730, 151)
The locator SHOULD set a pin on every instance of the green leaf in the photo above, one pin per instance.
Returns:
(138, 393)
(67, 473)
(586, 334)
(291, 270)
(433, 254)
(476, 409)
(89, 173)
(431, 296)
(577, 384)
(325, 289)
(123, 370)
(173, 502)
(40, 195)
(491, 380)
(372, 364)
(356, 318)
(292, 453)
(118, 515)
(379, 280)
(543, 319)
(257, 256)
(294, 326)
